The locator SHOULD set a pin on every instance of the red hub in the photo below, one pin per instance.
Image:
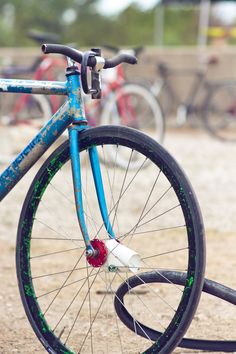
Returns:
(101, 253)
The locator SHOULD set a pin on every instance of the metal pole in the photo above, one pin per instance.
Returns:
(159, 24)
(203, 22)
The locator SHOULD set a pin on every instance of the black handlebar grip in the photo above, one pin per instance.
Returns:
(121, 58)
(72, 53)
(78, 56)
(64, 50)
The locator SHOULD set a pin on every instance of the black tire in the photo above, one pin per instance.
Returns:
(153, 212)
(36, 109)
(219, 111)
(210, 287)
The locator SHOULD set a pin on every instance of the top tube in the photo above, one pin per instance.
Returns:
(33, 86)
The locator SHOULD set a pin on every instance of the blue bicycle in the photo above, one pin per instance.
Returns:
(87, 225)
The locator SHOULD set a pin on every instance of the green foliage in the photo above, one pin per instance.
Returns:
(184, 29)
(78, 21)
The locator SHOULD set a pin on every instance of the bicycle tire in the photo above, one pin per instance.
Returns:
(33, 114)
(210, 287)
(29, 109)
(166, 99)
(154, 206)
(219, 111)
(36, 110)
(134, 106)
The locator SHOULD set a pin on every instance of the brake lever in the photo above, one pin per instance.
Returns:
(95, 89)
(84, 70)
(95, 76)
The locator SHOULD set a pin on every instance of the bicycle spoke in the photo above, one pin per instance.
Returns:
(99, 303)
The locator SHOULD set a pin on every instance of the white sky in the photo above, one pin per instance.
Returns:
(112, 7)
(225, 10)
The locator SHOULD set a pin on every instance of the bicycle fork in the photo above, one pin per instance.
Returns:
(74, 133)
(98, 252)
(79, 123)
(111, 252)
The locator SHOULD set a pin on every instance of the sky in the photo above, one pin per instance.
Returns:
(112, 7)
(225, 10)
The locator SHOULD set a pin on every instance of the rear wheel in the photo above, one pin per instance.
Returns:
(69, 300)
(219, 112)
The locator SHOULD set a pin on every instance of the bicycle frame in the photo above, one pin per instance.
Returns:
(198, 82)
(70, 115)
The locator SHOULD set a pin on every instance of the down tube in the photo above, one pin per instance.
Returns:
(34, 150)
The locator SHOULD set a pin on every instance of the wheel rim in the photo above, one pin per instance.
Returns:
(221, 113)
(51, 293)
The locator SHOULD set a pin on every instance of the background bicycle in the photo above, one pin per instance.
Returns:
(123, 104)
(216, 107)
(32, 109)
(21, 115)
(129, 103)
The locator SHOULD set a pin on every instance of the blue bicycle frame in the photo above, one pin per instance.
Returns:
(70, 115)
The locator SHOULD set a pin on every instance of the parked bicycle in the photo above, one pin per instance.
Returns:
(33, 109)
(129, 103)
(123, 103)
(80, 238)
(217, 109)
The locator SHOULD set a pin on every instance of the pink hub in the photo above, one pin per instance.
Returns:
(101, 253)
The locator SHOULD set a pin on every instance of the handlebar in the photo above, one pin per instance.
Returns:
(92, 59)
(77, 56)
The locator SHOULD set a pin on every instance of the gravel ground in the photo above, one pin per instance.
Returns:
(211, 167)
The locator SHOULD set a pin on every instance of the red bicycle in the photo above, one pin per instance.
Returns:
(33, 109)
(128, 103)
(124, 103)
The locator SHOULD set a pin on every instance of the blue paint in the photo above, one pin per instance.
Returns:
(70, 114)
(95, 164)
(76, 170)
(33, 86)
(34, 150)
(75, 99)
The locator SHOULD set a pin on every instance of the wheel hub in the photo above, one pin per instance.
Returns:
(101, 253)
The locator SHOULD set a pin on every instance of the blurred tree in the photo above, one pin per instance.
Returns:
(181, 25)
(140, 26)
(79, 21)
(44, 15)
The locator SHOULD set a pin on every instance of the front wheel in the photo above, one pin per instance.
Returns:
(69, 301)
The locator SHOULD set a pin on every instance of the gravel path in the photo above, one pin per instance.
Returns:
(211, 167)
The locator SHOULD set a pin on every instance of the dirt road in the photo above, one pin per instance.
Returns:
(211, 167)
